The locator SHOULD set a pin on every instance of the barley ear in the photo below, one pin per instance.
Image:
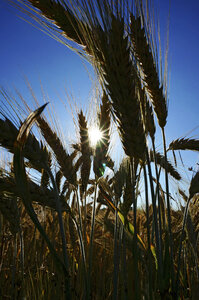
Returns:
(85, 151)
(64, 159)
(194, 185)
(144, 54)
(60, 15)
(184, 144)
(34, 151)
(160, 159)
(118, 73)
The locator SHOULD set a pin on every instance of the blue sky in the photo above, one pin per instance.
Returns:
(26, 51)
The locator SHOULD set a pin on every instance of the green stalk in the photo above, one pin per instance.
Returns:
(169, 214)
(148, 233)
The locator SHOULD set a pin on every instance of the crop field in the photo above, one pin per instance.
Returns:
(75, 223)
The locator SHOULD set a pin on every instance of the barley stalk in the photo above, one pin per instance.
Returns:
(22, 185)
(148, 231)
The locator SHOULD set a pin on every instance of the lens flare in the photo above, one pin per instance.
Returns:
(95, 135)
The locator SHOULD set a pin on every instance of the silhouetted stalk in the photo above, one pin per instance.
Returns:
(82, 249)
(135, 246)
(148, 233)
(169, 214)
(159, 254)
(85, 217)
(91, 241)
(21, 258)
(61, 225)
(157, 195)
(116, 255)
(156, 192)
(79, 211)
(22, 185)
(124, 269)
(180, 247)
(14, 266)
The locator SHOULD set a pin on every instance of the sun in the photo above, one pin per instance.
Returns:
(95, 135)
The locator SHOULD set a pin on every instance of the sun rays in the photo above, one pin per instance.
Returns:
(95, 135)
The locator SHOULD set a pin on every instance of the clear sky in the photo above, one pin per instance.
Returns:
(26, 51)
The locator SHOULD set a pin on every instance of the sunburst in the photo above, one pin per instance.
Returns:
(95, 135)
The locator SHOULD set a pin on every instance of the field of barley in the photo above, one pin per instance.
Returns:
(76, 223)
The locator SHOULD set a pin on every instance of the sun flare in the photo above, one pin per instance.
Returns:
(95, 135)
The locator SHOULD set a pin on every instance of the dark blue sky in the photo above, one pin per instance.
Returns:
(26, 51)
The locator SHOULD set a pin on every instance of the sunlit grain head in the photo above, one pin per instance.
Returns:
(95, 135)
